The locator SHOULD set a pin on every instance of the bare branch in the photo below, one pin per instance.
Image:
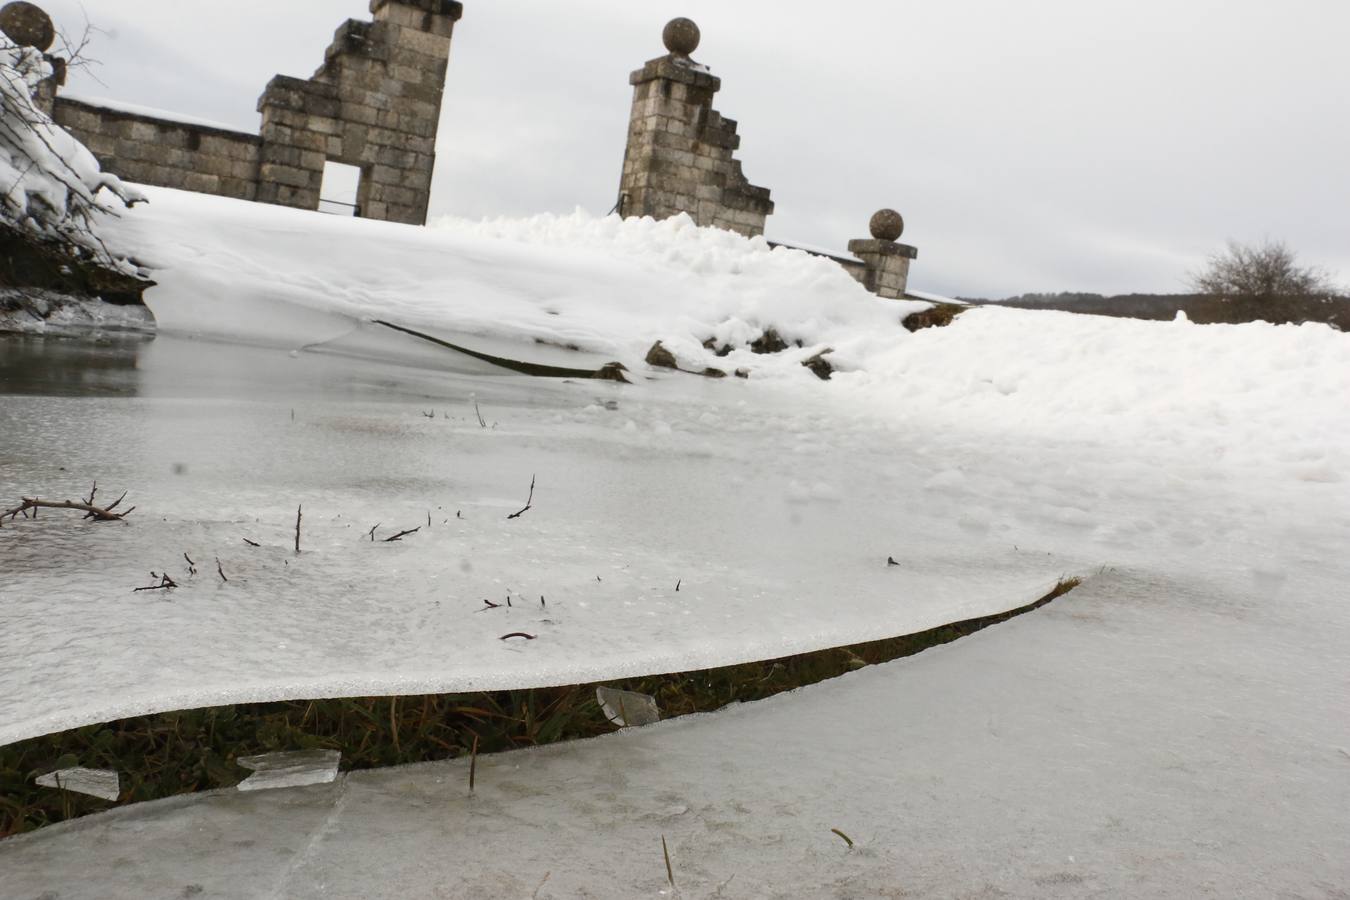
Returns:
(529, 504)
(402, 534)
(91, 511)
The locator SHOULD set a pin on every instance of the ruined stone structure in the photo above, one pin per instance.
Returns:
(680, 159)
(375, 104)
(680, 155)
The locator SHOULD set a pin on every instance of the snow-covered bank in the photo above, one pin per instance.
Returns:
(609, 287)
(1247, 395)
(1255, 394)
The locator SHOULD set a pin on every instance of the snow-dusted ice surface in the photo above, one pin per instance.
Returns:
(1143, 737)
(675, 525)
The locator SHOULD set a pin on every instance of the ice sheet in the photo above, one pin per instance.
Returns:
(676, 525)
(1146, 736)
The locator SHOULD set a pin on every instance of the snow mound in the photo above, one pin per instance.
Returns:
(607, 286)
(1255, 395)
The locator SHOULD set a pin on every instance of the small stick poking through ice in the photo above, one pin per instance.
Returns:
(529, 503)
(298, 511)
(847, 840)
(165, 584)
(401, 535)
(221, 571)
(192, 566)
(518, 634)
(473, 763)
(890, 561)
(252, 543)
(665, 851)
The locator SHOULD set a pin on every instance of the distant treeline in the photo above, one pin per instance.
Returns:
(1331, 308)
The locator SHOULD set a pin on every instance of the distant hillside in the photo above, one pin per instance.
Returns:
(1333, 310)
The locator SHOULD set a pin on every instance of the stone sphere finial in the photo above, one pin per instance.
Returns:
(27, 25)
(887, 225)
(681, 36)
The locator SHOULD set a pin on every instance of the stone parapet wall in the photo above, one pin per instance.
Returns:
(150, 150)
(681, 152)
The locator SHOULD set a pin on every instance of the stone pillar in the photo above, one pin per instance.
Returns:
(680, 155)
(887, 262)
(375, 103)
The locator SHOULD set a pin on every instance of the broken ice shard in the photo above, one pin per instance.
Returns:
(283, 770)
(627, 708)
(102, 783)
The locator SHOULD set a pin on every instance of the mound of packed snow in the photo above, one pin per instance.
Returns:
(1252, 395)
(606, 286)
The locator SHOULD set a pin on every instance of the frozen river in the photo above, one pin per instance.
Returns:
(1177, 727)
(675, 525)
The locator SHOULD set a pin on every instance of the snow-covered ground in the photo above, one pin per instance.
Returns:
(606, 286)
(1177, 727)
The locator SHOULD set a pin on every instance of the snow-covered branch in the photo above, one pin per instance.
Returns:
(51, 186)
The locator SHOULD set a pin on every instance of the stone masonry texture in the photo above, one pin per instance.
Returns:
(375, 103)
(886, 271)
(169, 154)
(681, 152)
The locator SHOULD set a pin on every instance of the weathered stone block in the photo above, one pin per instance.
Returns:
(202, 182)
(882, 248)
(401, 196)
(244, 169)
(404, 15)
(280, 155)
(359, 113)
(289, 118)
(426, 43)
(289, 176)
(418, 180)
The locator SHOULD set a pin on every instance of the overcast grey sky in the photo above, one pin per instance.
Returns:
(1096, 145)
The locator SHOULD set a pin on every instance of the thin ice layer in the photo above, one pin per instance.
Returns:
(674, 526)
(1147, 736)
